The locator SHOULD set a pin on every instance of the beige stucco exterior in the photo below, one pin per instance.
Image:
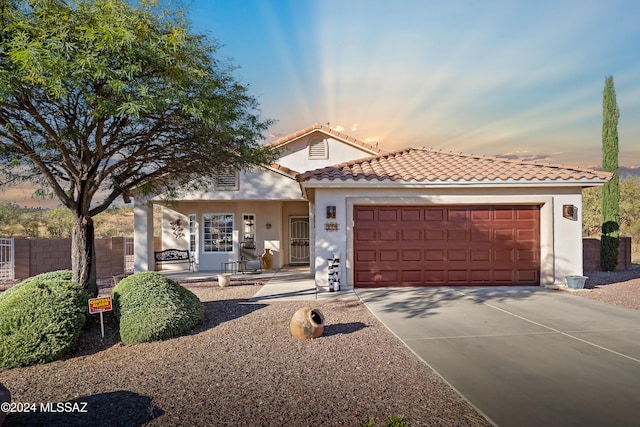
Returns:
(560, 238)
(274, 197)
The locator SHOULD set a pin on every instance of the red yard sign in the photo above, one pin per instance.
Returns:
(98, 305)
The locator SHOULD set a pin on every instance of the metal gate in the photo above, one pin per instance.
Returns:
(299, 240)
(128, 254)
(7, 265)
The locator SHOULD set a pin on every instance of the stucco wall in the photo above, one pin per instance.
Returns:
(271, 229)
(295, 155)
(561, 238)
(258, 184)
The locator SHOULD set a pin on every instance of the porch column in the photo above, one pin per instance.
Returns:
(142, 236)
(312, 237)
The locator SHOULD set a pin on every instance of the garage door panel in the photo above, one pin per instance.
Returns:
(431, 234)
(364, 235)
(525, 255)
(503, 234)
(480, 276)
(410, 277)
(457, 235)
(457, 214)
(480, 255)
(365, 255)
(501, 255)
(365, 213)
(435, 214)
(457, 255)
(385, 215)
(389, 235)
(458, 276)
(455, 245)
(527, 214)
(412, 255)
(434, 255)
(389, 255)
(412, 214)
(480, 215)
(504, 214)
(503, 275)
(526, 276)
(412, 234)
(481, 235)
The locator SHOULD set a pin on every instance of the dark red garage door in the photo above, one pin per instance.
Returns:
(446, 245)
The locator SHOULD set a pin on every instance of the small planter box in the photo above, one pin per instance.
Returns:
(576, 282)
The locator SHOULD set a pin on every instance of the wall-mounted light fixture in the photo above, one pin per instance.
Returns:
(569, 211)
(268, 225)
(331, 212)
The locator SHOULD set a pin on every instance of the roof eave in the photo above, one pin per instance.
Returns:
(338, 183)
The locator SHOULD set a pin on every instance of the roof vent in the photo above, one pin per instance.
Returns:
(318, 149)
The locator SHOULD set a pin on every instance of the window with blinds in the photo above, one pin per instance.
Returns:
(318, 149)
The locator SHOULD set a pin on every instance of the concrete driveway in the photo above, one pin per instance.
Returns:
(523, 356)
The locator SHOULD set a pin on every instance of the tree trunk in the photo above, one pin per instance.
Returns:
(83, 254)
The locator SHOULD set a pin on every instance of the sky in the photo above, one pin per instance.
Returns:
(520, 79)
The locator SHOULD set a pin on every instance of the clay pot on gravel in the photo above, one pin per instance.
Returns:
(224, 280)
(307, 323)
(5, 397)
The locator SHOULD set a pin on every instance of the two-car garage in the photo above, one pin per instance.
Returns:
(446, 245)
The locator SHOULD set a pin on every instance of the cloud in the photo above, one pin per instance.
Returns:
(527, 156)
(354, 127)
(338, 128)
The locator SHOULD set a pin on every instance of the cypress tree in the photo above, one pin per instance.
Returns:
(610, 237)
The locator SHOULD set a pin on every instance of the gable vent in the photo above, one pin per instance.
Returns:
(319, 149)
(227, 180)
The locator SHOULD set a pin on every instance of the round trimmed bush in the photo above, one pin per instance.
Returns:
(41, 319)
(151, 307)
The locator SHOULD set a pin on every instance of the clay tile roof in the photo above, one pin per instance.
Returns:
(283, 169)
(327, 130)
(431, 165)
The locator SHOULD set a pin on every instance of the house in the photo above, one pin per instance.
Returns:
(416, 216)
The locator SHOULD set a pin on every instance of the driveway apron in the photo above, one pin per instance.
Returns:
(523, 356)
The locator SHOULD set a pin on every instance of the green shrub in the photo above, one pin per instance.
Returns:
(41, 319)
(151, 307)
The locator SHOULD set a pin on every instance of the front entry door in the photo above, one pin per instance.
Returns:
(298, 240)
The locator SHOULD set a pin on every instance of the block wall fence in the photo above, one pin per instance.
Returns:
(34, 255)
(591, 254)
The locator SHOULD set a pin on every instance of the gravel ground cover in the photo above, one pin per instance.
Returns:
(241, 367)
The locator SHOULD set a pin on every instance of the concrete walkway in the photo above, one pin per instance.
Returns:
(286, 284)
(523, 356)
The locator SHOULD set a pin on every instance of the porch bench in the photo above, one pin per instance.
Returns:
(173, 256)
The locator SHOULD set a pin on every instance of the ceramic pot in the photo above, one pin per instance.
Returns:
(307, 323)
(267, 259)
(224, 280)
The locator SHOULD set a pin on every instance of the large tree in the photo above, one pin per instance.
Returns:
(98, 97)
(610, 238)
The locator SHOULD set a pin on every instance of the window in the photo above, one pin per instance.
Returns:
(227, 180)
(318, 149)
(248, 231)
(192, 233)
(218, 232)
